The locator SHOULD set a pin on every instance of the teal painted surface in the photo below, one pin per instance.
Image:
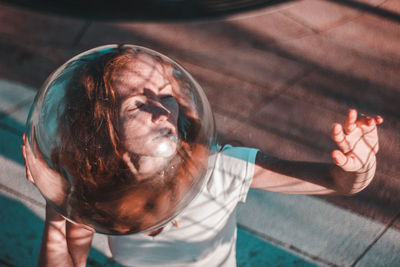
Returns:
(20, 237)
(322, 230)
(252, 251)
(21, 232)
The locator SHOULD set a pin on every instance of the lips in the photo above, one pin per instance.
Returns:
(167, 132)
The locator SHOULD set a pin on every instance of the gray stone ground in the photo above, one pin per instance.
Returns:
(277, 79)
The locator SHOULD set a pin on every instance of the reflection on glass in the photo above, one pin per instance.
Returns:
(122, 139)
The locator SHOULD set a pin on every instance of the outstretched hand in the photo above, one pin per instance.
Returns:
(358, 142)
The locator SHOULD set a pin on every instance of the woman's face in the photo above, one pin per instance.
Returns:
(148, 110)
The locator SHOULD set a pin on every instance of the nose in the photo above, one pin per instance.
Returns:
(158, 111)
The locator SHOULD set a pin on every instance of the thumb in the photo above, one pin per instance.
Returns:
(339, 158)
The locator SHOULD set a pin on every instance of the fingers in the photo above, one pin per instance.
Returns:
(356, 140)
(23, 148)
(370, 121)
(378, 120)
(367, 124)
(347, 163)
(339, 158)
(350, 124)
(368, 127)
(354, 129)
(340, 138)
(27, 171)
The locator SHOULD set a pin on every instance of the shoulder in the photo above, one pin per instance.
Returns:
(235, 164)
(241, 155)
(233, 172)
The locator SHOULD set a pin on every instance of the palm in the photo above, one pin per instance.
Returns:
(358, 144)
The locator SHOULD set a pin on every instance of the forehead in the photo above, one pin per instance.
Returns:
(141, 72)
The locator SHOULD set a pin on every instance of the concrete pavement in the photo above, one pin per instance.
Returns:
(277, 79)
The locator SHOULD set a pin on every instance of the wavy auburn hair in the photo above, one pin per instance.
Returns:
(89, 150)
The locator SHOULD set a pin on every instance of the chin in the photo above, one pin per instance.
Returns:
(165, 149)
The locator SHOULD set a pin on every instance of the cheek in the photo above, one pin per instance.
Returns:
(132, 127)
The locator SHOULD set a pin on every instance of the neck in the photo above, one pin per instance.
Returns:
(144, 167)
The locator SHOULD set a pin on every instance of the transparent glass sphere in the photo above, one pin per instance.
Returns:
(120, 139)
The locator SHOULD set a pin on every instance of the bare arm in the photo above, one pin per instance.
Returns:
(54, 249)
(79, 241)
(354, 168)
(63, 243)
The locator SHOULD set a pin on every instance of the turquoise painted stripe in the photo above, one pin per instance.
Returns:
(252, 251)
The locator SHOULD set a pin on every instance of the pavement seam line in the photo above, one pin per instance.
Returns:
(354, 5)
(374, 10)
(267, 100)
(10, 129)
(373, 242)
(6, 263)
(6, 113)
(299, 21)
(285, 87)
(227, 75)
(81, 32)
(22, 196)
(287, 246)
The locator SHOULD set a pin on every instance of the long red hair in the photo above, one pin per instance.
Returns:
(105, 194)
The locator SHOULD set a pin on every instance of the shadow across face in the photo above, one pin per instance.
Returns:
(120, 128)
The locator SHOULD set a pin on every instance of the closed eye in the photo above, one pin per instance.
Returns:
(134, 103)
(136, 106)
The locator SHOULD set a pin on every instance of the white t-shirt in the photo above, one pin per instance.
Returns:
(206, 232)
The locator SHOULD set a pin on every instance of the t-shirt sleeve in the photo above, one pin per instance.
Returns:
(236, 165)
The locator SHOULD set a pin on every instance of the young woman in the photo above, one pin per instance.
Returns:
(133, 150)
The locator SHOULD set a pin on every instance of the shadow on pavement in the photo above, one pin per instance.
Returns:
(365, 7)
(368, 96)
(21, 232)
(151, 10)
(23, 63)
